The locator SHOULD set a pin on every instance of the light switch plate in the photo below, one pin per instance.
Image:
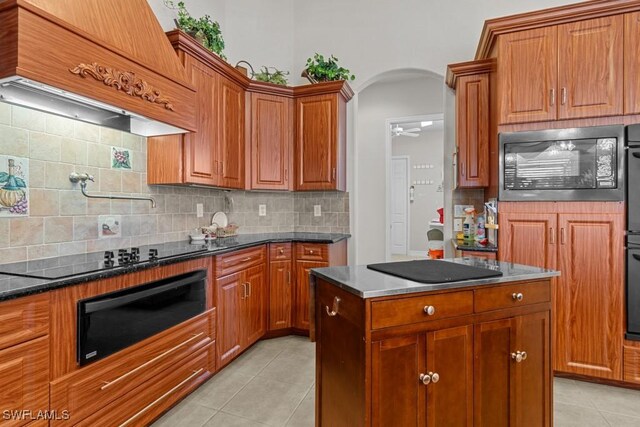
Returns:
(457, 224)
(262, 210)
(200, 210)
(317, 210)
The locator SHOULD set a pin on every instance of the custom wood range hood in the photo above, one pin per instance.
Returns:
(106, 62)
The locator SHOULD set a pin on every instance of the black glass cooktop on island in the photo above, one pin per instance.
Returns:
(75, 265)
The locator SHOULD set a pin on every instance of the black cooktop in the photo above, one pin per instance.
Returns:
(75, 265)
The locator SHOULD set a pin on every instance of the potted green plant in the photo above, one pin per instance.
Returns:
(319, 69)
(276, 76)
(203, 29)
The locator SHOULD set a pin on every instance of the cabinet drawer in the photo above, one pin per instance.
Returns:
(23, 319)
(279, 251)
(499, 297)
(141, 406)
(405, 311)
(24, 379)
(91, 388)
(479, 254)
(240, 260)
(312, 251)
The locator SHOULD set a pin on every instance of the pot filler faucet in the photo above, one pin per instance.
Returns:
(82, 178)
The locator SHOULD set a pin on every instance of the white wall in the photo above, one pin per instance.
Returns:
(381, 101)
(424, 149)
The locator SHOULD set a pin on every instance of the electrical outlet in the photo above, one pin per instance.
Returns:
(317, 210)
(457, 224)
(262, 210)
(200, 210)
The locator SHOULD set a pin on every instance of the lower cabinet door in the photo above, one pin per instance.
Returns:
(280, 286)
(450, 371)
(493, 344)
(230, 301)
(254, 313)
(398, 396)
(301, 297)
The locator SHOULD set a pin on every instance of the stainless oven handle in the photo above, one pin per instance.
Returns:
(108, 384)
(92, 307)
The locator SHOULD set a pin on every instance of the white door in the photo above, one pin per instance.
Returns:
(399, 204)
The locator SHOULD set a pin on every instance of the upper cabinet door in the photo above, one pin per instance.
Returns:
(200, 148)
(632, 63)
(271, 142)
(527, 70)
(232, 135)
(591, 68)
(472, 127)
(317, 142)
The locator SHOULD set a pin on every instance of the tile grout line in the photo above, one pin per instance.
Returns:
(299, 404)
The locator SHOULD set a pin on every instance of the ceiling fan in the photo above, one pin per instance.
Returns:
(397, 131)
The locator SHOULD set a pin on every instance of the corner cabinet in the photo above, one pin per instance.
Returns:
(320, 146)
(471, 83)
(589, 294)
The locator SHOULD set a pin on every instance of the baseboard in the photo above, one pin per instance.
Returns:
(615, 383)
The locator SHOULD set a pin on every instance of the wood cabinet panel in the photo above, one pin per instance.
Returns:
(398, 397)
(528, 238)
(280, 251)
(301, 292)
(316, 142)
(271, 141)
(239, 260)
(472, 130)
(256, 304)
(23, 319)
(231, 138)
(415, 309)
(201, 153)
(631, 63)
(528, 70)
(450, 356)
(499, 297)
(230, 292)
(590, 68)
(280, 294)
(632, 364)
(493, 343)
(589, 306)
(24, 379)
(312, 251)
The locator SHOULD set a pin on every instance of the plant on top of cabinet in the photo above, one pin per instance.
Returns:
(319, 69)
(203, 29)
(276, 76)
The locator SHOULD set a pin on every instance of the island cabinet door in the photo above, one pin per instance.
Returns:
(398, 396)
(450, 376)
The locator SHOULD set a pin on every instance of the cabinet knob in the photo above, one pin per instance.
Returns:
(430, 310)
(517, 296)
(281, 250)
(519, 356)
(425, 378)
(311, 251)
(434, 377)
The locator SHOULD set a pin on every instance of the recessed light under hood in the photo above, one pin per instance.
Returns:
(41, 97)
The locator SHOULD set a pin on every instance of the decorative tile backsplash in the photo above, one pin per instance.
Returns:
(61, 221)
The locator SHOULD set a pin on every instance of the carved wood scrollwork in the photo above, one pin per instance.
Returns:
(124, 81)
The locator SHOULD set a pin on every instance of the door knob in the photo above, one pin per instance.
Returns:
(519, 356)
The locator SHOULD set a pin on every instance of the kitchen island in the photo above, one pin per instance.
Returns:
(391, 351)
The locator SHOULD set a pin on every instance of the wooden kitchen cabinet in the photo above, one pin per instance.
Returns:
(231, 138)
(271, 142)
(567, 71)
(631, 63)
(230, 294)
(301, 293)
(281, 284)
(585, 242)
(472, 130)
(256, 303)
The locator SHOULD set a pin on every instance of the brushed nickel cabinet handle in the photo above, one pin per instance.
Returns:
(553, 97)
(429, 309)
(552, 236)
(247, 259)
(564, 95)
(108, 384)
(517, 296)
(155, 402)
(244, 291)
(519, 356)
(336, 306)
(289, 276)
(563, 237)
(425, 378)
(334, 174)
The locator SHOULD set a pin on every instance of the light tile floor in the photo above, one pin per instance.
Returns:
(273, 384)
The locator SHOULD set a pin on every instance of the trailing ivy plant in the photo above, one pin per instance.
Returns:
(319, 69)
(204, 28)
(276, 76)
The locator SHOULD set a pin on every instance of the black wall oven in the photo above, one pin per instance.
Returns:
(562, 164)
(111, 322)
(633, 232)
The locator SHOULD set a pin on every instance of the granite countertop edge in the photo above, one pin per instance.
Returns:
(37, 286)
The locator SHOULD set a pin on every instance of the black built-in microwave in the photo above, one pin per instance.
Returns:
(562, 164)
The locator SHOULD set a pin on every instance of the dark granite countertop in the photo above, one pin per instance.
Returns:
(464, 245)
(366, 283)
(15, 287)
